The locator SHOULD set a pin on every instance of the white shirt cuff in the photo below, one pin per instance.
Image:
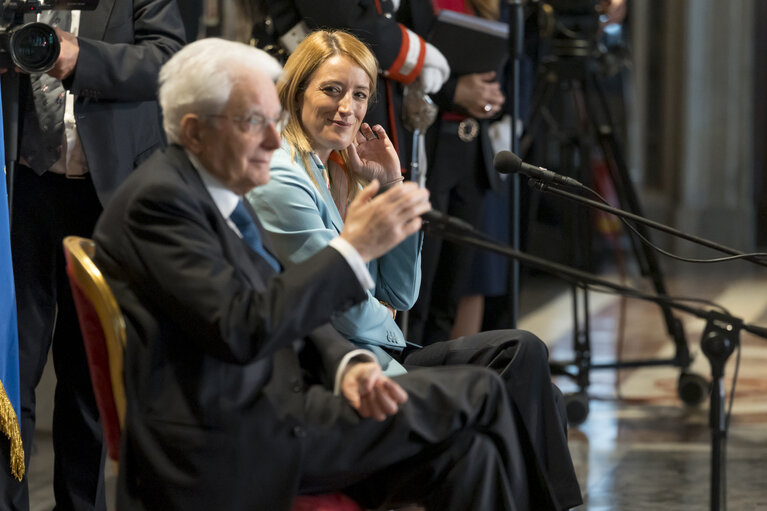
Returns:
(355, 261)
(364, 355)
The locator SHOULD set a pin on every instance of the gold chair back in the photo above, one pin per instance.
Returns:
(79, 253)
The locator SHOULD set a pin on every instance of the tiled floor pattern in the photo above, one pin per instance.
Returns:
(641, 448)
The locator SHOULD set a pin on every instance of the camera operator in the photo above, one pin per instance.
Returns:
(84, 126)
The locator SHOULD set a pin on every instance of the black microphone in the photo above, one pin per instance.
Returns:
(507, 162)
(438, 218)
(443, 221)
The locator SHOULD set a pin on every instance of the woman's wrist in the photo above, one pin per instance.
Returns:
(394, 181)
(389, 184)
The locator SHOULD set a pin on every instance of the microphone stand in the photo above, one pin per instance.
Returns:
(720, 338)
(516, 46)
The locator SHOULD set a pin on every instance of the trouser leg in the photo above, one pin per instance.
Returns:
(46, 209)
(521, 360)
(455, 417)
(466, 473)
(34, 261)
(79, 452)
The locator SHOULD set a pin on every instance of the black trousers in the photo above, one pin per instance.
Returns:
(46, 209)
(452, 447)
(521, 360)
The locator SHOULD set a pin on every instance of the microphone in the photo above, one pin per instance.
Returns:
(437, 218)
(507, 162)
(443, 221)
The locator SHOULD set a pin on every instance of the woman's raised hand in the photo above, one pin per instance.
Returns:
(372, 155)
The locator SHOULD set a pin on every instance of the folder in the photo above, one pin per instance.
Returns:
(469, 43)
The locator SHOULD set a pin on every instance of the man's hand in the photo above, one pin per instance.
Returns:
(375, 225)
(370, 392)
(70, 50)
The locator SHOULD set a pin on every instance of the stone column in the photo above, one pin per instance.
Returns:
(717, 145)
(704, 165)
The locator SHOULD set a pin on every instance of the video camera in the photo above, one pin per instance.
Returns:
(572, 19)
(32, 47)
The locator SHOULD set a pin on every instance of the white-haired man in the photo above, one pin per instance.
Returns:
(239, 394)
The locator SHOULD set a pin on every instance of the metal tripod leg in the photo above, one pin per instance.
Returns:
(616, 163)
(692, 388)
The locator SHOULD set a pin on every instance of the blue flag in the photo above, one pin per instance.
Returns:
(9, 336)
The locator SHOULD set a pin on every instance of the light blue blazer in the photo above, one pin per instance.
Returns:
(301, 220)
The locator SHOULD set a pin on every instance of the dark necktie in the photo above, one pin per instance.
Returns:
(244, 222)
(44, 126)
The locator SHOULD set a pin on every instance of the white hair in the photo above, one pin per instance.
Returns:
(199, 78)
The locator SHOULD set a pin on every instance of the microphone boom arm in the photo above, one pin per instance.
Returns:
(546, 187)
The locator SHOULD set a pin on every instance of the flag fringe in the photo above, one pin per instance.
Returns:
(9, 425)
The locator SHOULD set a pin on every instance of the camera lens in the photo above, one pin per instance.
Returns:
(34, 47)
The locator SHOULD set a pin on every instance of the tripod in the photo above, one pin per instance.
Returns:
(573, 68)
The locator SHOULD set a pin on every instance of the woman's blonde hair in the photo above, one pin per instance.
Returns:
(315, 50)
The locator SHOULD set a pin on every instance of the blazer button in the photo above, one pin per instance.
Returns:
(297, 386)
(299, 432)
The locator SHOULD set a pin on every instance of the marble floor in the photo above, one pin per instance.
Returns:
(640, 447)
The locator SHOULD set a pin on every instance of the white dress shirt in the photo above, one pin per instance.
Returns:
(72, 161)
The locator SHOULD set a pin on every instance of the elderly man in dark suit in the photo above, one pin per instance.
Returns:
(240, 395)
(86, 124)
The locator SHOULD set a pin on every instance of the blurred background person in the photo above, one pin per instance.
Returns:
(460, 178)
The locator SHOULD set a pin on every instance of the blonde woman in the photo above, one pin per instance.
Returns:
(327, 153)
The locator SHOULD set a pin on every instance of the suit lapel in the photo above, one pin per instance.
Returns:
(93, 24)
(335, 216)
(231, 241)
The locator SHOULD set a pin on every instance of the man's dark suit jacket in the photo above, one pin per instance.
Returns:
(210, 403)
(122, 46)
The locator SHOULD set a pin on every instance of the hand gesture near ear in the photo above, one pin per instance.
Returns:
(372, 155)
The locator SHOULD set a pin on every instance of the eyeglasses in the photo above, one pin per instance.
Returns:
(257, 122)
